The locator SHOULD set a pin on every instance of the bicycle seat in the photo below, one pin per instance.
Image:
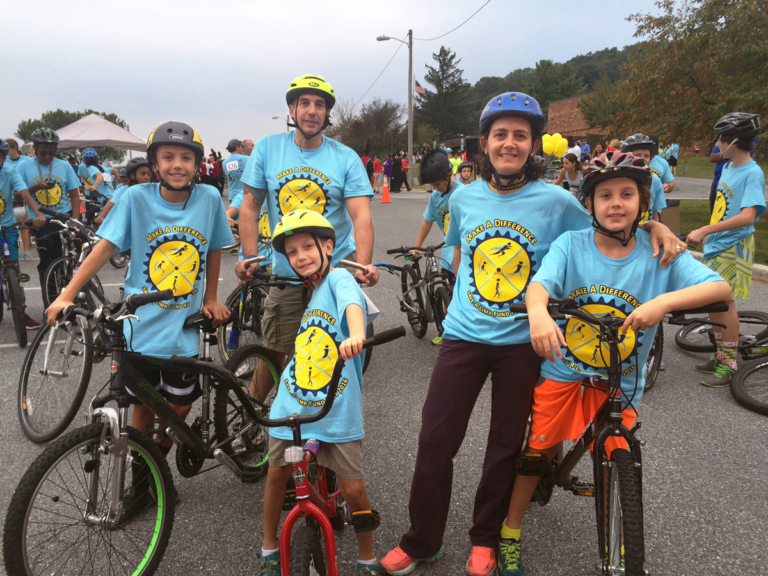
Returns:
(201, 322)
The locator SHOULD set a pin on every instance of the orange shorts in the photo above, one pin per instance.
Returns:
(561, 411)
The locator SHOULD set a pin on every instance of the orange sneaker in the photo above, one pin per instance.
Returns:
(482, 561)
(398, 563)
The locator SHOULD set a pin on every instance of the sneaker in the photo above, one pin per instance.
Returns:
(27, 257)
(369, 569)
(481, 561)
(398, 562)
(437, 340)
(234, 340)
(270, 565)
(509, 563)
(235, 251)
(709, 366)
(30, 323)
(720, 378)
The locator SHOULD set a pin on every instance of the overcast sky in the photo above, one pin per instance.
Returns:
(224, 66)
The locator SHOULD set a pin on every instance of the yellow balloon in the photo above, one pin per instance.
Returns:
(546, 138)
(561, 148)
(548, 148)
(556, 136)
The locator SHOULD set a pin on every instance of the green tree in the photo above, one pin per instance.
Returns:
(448, 107)
(379, 124)
(606, 106)
(550, 81)
(591, 67)
(55, 119)
(489, 86)
(699, 59)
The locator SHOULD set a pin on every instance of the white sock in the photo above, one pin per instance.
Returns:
(367, 562)
(265, 553)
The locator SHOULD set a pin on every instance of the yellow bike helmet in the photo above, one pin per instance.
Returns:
(309, 222)
(309, 83)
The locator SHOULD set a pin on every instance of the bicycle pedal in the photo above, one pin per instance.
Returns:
(582, 489)
(23, 277)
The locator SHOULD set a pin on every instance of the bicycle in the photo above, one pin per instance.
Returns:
(11, 292)
(618, 501)
(425, 298)
(699, 336)
(247, 301)
(106, 485)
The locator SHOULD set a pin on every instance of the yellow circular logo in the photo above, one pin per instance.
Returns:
(49, 197)
(586, 345)
(175, 265)
(501, 269)
(301, 193)
(264, 224)
(446, 221)
(2, 207)
(718, 211)
(316, 355)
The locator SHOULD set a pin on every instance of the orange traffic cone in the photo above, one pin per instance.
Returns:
(385, 192)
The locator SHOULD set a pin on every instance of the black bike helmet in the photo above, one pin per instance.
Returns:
(464, 165)
(434, 166)
(640, 142)
(44, 136)
(176, 134)
(135, 164)
(4, 149)
(616, 165)
(740, 124)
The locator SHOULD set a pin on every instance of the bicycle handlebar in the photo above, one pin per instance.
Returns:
(127, 306)
(406, 249)
(61, 216)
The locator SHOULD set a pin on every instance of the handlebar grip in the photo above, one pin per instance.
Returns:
(714, 307)
(135, 301)
(401, 250)
(384, 337)
(54, 214)
(518, 309)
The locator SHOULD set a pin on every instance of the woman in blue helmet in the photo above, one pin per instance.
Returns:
(501, 225)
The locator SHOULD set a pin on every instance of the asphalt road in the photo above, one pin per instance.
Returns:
(705, 468)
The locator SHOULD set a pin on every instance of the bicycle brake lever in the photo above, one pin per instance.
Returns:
(127, 317)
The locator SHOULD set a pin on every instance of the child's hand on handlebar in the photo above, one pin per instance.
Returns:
(244, 271)
(546, 336)
(352, 346)
(217, 312)
(53, 311)
(645, 316)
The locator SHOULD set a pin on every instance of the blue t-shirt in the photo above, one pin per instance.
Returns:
(437, 211)
(660, 167)
(169, 245)
(503, 238)
(658, 201)
(304, 383)
(673, 151)
(739, 188)
(233, 168)
(104, 191)
(320, 180)
(82, 171)
(58, 171)
(718, 166)
(13, 163)
(575, 268)
(119, 188)
(10, 180)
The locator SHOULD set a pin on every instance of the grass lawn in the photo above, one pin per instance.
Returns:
(695, 214)
(701, 167)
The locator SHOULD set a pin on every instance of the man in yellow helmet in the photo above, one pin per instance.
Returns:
(304, 169)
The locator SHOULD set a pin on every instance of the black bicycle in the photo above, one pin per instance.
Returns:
(11, 292)
(100, 500)
(425, 298)
(617, 481)
(698, 336)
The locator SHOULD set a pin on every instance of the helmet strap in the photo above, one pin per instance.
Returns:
(295, 124)
(515, 182)
(322, 272)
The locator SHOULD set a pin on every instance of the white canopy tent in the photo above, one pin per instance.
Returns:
(93, 130)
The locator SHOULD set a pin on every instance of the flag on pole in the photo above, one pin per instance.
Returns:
(419, 88)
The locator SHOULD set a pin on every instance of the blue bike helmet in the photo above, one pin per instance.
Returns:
(513, 104)
(4, 149)
(90, 153)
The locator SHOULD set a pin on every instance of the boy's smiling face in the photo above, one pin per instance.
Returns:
(617, 204)
(176, 165)
(303, 255)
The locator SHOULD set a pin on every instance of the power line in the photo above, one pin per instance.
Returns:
(457, 27)
(379, 76)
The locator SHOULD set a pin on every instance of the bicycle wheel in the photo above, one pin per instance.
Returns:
(61, 517)
(251, 448)
(307, 550)
(442, 300)
(118, 260)
(753, 326)
(624, 522)
(413, 298)
(750, 386)
(56, 277)
(54, 378)
(249, 305)
(653, 362)
(369, 333)
(16, 300)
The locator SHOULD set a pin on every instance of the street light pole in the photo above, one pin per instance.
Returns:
(287, 121)
(410, 96)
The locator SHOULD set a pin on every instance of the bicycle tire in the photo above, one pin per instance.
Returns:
(251, 449)
(118, 260)
(307, 551)
(414, 298)
(16, 299)
(442, 301)
(653, 363)
(750, 386)
(369, 333)
(2, 301)
(48, 402)
(58, 489)
(624, 522)
(249, 320)
(56, 277)
(698, 338)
